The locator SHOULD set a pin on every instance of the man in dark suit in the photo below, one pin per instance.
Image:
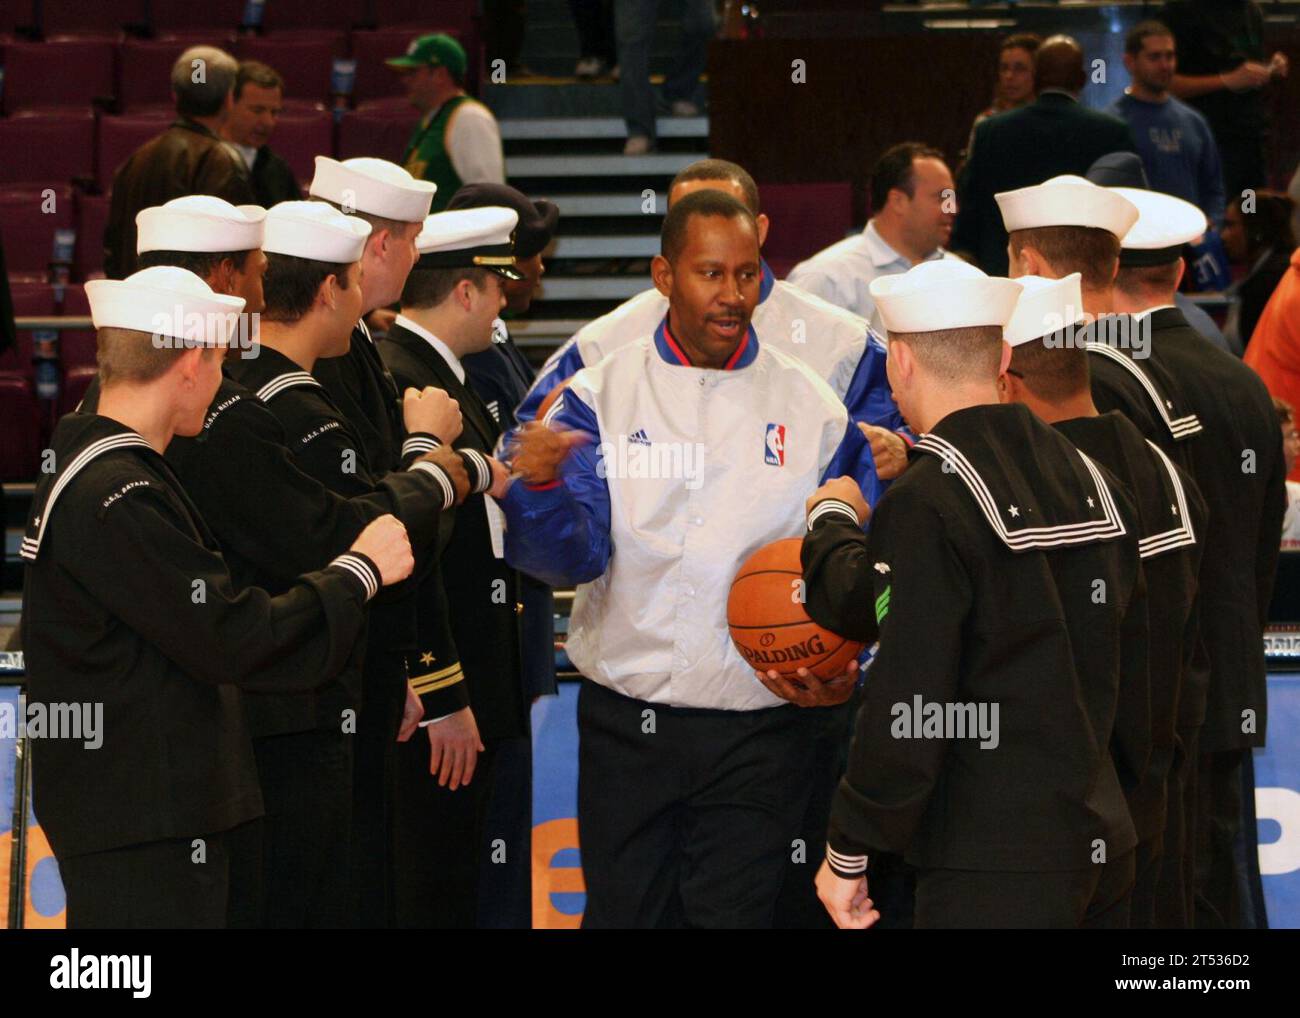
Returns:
(1051, 136)
(461, 863)
(258, 101)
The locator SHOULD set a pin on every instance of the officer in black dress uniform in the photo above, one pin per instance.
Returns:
(1049, 374)
(129, 603)
(459, 864)
(1235, 456)
(980, 750)
(502, 376)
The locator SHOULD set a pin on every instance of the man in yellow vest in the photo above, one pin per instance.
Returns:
(457, 140)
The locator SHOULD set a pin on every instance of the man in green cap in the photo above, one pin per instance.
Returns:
(457, 140)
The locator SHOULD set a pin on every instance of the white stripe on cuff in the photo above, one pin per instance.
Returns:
(361, 569)
(484, 479)
(846, 865)
(418, 445)
(439, 475)
(830, 505)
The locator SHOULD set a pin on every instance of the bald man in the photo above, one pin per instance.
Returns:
(1052, 135)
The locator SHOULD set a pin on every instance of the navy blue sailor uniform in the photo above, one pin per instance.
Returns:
(1212, 415)
(1171, 518)
(128, 602)
(978, 576)
(690, 825)
(326, 448)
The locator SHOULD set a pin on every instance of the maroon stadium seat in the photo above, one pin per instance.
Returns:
(29, 216)
(84, 72)
(805, 219)
(55, 146)
(78, 17)
(380, 128)
(336, 14)
(20, 423)
(92, 217)
(120, 136)
(304, 59)
(30, 300)
(186, 15)
(76, 346)
(302, 136)
(375, 79)
(145, 67)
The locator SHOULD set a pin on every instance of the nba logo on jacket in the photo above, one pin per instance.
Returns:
(774, 453)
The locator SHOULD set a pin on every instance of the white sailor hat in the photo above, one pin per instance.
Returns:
(201, 223)
(165, 301)
(944, 294)
(480, 237)
(312, 229)
(371, 185)
(1164, 225)
(1066, 201)
(1046, 307)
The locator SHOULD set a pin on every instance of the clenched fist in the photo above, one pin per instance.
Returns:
(539, 451)
(450, 460)
(433, 412)
(385, 543)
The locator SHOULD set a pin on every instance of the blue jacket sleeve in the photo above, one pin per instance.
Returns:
(559, 533)
(870, 398)
(566, 362)
(853, 459)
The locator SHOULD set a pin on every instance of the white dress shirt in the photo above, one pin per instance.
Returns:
(842, 272)
(443, 349)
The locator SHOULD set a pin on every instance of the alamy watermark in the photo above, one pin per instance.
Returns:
(921, 720)
(82, 722)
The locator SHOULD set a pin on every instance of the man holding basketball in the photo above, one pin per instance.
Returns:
(654, 475)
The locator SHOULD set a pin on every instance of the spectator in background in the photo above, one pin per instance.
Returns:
(1259, 238)
(187, 158)
(597, 54)
(457, 140)
(1274, 350)
(1290, 451)
(913, 208)
(1015, 87)
(1175, 141)
(1051, 136)
(634, 24)
(1222, 71)
(258, 100)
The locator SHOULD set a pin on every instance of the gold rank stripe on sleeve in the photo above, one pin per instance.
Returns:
(1180, 427)
(431, 682)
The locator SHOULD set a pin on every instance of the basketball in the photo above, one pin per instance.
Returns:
(769, 625)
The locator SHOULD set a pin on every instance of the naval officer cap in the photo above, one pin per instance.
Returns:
(945, 294)
(537, 218)
(470, 238)
(165, 301)
(1066, 201)
(1164, 225)
(314, 230)
(373, 186)
(1045, 307)
(200, 223)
